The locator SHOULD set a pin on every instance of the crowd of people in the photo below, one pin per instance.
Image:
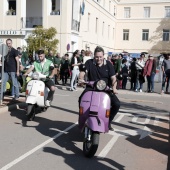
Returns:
(135, 70)
(139, 70)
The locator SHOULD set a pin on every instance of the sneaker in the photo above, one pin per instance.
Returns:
(71, 89)
(74, 88)
(48, 103)
(15, 98)
(110, 127)
(136, 90)
(141, 90)
(162, 92)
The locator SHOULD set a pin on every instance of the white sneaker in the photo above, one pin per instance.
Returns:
(141, 90)
(136, 90)
(48, 103)
(74, 88)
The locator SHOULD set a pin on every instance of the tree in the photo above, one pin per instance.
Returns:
(42, 39)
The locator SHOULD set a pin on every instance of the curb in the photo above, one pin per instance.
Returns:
(67, 88)
(12, 107)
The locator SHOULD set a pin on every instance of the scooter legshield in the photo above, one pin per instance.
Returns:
(92, 123)
(35, 88)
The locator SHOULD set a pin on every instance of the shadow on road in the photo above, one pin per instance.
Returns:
(130, 105)
(47, 127)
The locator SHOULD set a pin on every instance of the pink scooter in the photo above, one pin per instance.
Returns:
(94, 112)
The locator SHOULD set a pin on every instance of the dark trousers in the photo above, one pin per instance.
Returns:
(133, 85)
(48, 84)
(124, 82)
(115, 104)
(64, 77)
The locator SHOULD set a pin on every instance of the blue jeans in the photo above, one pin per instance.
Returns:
(14, 79)
(150, 80)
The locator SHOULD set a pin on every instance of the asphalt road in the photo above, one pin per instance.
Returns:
(53, 141)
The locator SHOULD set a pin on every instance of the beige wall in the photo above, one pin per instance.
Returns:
(156, 23)
(88, 37)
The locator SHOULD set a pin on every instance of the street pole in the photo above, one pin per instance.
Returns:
(3, 46)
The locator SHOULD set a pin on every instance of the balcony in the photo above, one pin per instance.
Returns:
(75, 25)
(31, 22)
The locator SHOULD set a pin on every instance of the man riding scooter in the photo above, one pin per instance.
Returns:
(43, 66)
(99, 68)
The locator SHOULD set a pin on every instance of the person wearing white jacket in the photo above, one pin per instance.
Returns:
(140, 65)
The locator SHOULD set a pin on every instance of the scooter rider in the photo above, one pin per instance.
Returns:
(99, 68)
(43, 66)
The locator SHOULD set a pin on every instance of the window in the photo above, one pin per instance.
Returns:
(96, 24)
(167, 11)
(146, 12)
(103, 29)
(108, 31)
(127, 12)
(11, 7)
(166, 35)
(145, 35)
(126, 35)
(55, 7)
(88, 22)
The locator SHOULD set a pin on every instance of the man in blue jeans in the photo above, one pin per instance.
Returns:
(11, 68)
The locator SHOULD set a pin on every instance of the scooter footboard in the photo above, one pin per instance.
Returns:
(96, 125)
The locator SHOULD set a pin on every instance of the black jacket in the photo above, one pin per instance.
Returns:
(73, 62)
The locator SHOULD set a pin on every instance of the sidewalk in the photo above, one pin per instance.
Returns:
(9, 104)
(120, 91)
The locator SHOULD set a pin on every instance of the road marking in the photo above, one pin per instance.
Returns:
(115, 137)
(37, 148)
(147, 120)
(61, 95)
(108, 147)
(144, 101)
(156, 120)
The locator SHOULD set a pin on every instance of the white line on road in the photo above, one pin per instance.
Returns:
(61, 95)
(36, 148)
(108, 147)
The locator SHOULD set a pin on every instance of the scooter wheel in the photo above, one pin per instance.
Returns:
(90, 147)
(30, 112)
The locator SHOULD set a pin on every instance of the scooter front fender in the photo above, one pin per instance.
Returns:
(93, 124)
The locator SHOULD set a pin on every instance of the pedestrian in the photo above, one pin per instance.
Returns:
(124, 72)
(11, 68)
(64, 69)
(57, 68)
(150, 71)
(82, 55)
(117, 66)
(133, 75)
(109, 58)
(166, 73)
(140, 66)
(75, 63)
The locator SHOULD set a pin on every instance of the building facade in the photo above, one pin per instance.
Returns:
(116, 25)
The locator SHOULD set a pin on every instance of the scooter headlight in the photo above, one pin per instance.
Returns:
(101, 85)
(35, 76)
